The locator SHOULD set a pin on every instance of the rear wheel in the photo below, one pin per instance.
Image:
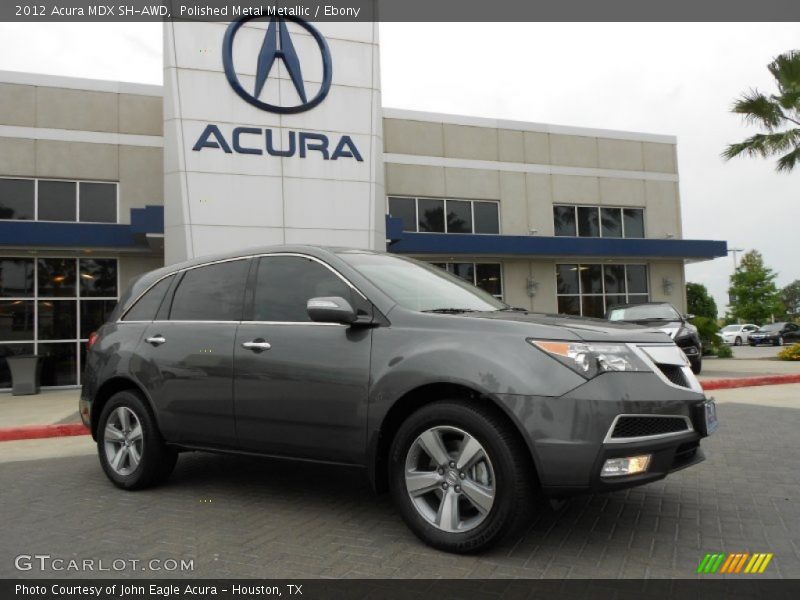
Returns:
(460, 477)
(132, 452)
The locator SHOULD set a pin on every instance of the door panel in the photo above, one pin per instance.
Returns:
(307, 395)
(189, 378)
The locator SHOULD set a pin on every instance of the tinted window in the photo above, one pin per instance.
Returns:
(637, 279)
(16, 199)
(147, 306)
(16, 277)
(615, 280)
(459, 217)
(211, 293)
(431, 215)
(93, 314)
(464, 270)
(404, 208)
(98, 202)
(634, 222)
(591, 279)
(588, 223)
(59, 363)
(564, 220)
(57, 201)
(57, 319)
(567, 279)
(611, 220)
(98, 277)
(593, 306)
(487, 217)
(285, 284)
(569, 305)
(57, 277)
(487, 277)
(16, 320)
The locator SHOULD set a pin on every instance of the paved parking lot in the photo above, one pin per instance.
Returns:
(255, 518)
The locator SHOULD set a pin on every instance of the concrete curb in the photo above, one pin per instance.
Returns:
(724, 384)
(31, 432)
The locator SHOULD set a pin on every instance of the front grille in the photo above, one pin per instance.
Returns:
(644, 426)
(675, 374)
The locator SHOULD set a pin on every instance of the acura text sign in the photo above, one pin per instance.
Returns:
(272, 135)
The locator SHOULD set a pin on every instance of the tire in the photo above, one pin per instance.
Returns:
(127, 411)
(502, 466)
(737, 341)
(779, 341)
(697, 365)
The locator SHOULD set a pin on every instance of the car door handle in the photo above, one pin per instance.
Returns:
(257, 345)
(156, 340)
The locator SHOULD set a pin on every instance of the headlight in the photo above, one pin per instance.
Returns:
(591, 359)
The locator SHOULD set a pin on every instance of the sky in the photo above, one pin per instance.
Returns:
(675, 79)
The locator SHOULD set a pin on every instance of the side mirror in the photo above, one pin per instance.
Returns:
(688, 316)
(331, 309)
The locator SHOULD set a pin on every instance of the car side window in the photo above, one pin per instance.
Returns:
(284, 284)
(147, 306)
(211, 293)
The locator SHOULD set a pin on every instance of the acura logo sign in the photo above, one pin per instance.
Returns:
(277, 45)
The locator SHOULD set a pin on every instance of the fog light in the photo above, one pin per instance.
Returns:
(629, 465)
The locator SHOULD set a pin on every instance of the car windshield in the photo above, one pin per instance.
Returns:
(419, 286)
(644, 312)
(731, 328)
(772, 327)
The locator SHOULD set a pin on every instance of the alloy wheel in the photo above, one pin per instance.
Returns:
(123, 440)
(450, 479)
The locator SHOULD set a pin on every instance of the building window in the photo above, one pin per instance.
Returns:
(486, 276)
(598, 221)
(49, 306)
(436, 215)
(57, 200)
(591, 289)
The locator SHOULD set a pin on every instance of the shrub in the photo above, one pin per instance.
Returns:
(790, 353)
(707, 329)
(724, 351)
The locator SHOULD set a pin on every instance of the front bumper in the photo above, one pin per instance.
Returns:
(568, 435)
(762, 339)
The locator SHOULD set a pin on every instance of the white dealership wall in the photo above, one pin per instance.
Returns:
(216, 201)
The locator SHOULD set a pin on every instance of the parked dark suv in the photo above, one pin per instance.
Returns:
(464, 408)
(662, 316)
(776, 334)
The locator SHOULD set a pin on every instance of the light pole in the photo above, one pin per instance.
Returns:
(735, 251)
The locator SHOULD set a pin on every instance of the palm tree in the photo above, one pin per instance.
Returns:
(775, 113)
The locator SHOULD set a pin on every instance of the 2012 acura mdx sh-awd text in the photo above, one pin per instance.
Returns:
(464, 408)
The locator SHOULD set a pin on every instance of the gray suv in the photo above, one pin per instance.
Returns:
(466, 409)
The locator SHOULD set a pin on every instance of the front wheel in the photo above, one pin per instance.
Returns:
(460, 476)
(779, 341)
(130, 447)
(738, 342)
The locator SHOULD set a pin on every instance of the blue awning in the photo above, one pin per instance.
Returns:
(144, 222)
(405, 242)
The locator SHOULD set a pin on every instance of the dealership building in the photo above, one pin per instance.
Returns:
(272, 132)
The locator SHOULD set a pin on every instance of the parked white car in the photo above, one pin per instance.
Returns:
(737, 334)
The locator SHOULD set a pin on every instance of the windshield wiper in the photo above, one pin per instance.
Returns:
(449, 311)
(512, 309)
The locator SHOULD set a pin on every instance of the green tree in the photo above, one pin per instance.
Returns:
(700, 302)
(791, 298)
(754, 296)
(777, 114)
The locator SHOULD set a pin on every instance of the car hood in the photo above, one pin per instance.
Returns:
(587, 329)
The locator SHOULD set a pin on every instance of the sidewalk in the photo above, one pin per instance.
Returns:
(734, 368)
(46, 408)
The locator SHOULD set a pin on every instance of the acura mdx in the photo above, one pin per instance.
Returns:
(464, 408)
